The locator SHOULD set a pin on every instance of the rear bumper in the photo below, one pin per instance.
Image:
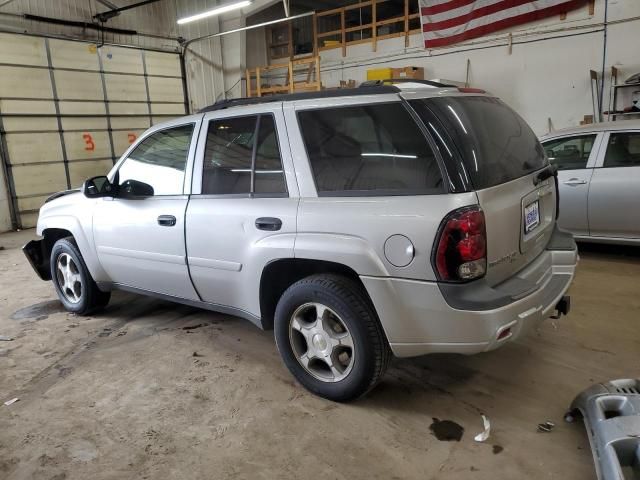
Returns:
(34, 251)
(421, 317)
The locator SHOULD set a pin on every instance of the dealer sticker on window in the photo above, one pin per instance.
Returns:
(531, 216)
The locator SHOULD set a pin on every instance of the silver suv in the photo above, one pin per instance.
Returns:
(404, 219)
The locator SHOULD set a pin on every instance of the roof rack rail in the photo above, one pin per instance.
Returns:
(372, 83)
(289, 97)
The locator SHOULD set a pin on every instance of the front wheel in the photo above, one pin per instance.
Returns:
(73, 283)
(329, 337)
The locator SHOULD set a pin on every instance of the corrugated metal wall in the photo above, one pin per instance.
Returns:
(156, 26)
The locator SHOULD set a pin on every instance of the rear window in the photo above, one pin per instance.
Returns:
(495, 143)
(369, 150)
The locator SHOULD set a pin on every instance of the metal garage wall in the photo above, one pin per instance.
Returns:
(69, 109)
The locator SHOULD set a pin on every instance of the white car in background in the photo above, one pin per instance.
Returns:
(599, 180)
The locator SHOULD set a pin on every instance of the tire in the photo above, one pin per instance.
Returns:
(307, 349)
(76, 289)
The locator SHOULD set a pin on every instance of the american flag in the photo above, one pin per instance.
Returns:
(445, 22)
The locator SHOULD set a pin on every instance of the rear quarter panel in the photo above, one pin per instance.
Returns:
(353, 230)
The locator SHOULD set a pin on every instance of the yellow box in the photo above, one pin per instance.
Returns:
(379, 74)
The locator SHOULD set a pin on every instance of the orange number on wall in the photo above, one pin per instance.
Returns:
(132, 137)
(89, 146)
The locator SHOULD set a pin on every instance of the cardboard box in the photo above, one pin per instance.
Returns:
(417, 73)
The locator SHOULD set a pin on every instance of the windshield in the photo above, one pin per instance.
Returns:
(495, 143)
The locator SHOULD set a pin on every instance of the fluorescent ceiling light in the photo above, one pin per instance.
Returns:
(215, 11)
(258, 25)
(390, 155)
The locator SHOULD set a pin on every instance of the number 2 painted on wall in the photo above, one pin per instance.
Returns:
(89, 146)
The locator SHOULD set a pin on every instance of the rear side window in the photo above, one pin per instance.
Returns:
(496, 144)
(242, 156)
(570, 153)
(369, 150)
(623, 150)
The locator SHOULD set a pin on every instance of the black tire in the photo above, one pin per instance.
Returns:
(91, 298)
(350, 302)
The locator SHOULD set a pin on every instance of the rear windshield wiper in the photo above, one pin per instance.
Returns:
(548, 172)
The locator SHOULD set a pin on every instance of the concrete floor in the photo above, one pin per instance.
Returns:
(124, 394)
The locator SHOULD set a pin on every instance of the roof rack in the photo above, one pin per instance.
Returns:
(288, 97)
(373, 83)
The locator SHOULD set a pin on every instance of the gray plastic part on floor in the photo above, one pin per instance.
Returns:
(611, 413)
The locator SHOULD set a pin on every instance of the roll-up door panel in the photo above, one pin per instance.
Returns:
(22, 50)
(125, 87)
(34, 147)
(90, 144)
(165, 89)
(167, 109)
(130, 122)
(21, 82)
(123, 140)
(42, 107)
(123, 60)
(77, 55)
(124, 108)
(26, 124)
(73, 85)
(80, 171)
(40, 179)
(162, 64)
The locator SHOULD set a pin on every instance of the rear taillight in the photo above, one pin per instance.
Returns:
(460, 252)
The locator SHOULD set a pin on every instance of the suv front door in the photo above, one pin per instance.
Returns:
(242, 213)
(140, 240)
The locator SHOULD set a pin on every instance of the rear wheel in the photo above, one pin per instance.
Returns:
(73, 283)
(329, 337)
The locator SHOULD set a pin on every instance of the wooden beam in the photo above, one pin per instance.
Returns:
(315, 34)
(344, 34)
(290, 43)
(592, 7)
(374, 21)
(258, 83)
(319, 87)
(291, 77)
(248, 83)
(406, 23)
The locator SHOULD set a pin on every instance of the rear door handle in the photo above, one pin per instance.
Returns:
(575, 181)
(167, 220)
(270, 224)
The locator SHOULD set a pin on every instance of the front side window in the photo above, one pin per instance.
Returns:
(570, 153)
(242, 156)
(623, 150)
(159, 161)
(371, 149)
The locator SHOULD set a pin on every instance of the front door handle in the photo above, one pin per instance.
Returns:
(270, 224)
(167, 220)
(575, 181)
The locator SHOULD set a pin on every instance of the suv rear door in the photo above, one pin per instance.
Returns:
(501, 159)
(574, 156)
(614, 194)
(242, 211)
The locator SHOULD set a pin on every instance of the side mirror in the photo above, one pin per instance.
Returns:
(98, 187)
(135, 189)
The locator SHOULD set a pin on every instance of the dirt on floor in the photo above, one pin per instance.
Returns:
(149, 389)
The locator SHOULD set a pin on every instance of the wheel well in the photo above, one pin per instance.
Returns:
(279, 275)
(51, 236)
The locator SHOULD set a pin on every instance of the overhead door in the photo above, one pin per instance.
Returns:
(69, 109)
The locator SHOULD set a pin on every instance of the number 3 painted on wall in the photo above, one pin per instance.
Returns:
(88, 142)
(132, 137)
